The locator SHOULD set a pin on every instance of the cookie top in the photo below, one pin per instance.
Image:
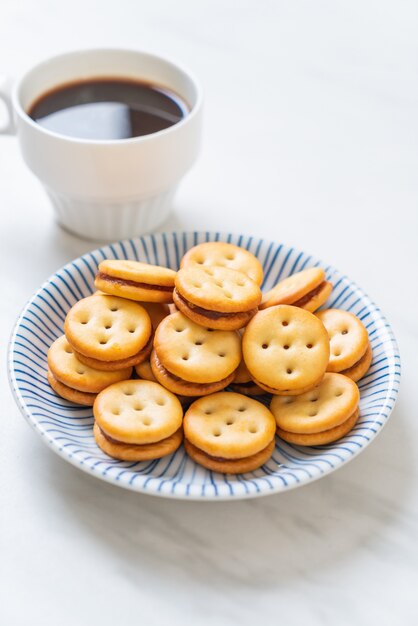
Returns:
(107, 328)
(348, 338)
(66, 368)
(226, 255)
(195, 353)
(137, 411)
(229, 425)
(293, 287)
(329, 404)
(286, 348)
(138, 272)
(218, 289)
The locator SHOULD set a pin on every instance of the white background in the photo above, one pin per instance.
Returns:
(310, 138)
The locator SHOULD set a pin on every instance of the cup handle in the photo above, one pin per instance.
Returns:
(5, 96)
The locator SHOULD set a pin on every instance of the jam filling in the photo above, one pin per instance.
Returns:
(214, 315)
(309, 295)
(132, 283)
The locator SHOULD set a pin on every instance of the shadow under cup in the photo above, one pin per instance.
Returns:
(109, 189)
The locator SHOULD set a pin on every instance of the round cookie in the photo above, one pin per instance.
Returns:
(326, 406)
(191, 360)
(226, 255)
(307, 289)
(108, 332)
(216, 297)
(348, 338)
(286, 349)
(135, 452)
(135, 280)
(72, 395)
(137, 412)
(67, 369)
(323, 437)
(228, 425)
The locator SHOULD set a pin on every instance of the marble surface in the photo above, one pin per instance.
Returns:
(310, 138)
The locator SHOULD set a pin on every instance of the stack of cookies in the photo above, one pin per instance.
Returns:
(152, 342)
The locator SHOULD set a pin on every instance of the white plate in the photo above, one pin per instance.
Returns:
(67, 428)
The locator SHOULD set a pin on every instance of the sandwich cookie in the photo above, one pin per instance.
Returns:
(137, 420)
(135, 280)
(320, 416)
(75, 381)
(109, 333)
(229, 433)
(351, 352)
(191, 360)
(216, 297)
(224, 255)
(286, 350)
(307, 289)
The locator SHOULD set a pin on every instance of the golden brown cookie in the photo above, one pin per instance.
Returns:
(135, 280)
(225, 255)
(228, 425)
(108, 332)
(216, 297)
(72, 395)
(69, 370)
(137, 452)
(359, 369)
(348, 338)
(325, 407)
(192, 360)
(286, 349)
(307, 289)
(137, 412)
(323, 437)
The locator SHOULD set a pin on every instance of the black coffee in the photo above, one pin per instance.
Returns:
(109, 108)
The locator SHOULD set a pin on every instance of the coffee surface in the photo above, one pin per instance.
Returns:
(103, 109)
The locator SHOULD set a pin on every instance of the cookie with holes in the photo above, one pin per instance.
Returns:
(135, 280)
(74, 380)
(307, 289)
(224, 255)
(286, 349)
(191, 360)
(320, 416)
(351, 352)
(216, 297)
(109, 333)
(228, 432)
(137, 420)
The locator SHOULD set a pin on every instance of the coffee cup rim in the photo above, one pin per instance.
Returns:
(194, 110)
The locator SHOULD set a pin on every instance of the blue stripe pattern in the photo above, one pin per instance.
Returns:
(67, 428)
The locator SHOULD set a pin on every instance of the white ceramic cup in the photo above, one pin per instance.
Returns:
(107, 189)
